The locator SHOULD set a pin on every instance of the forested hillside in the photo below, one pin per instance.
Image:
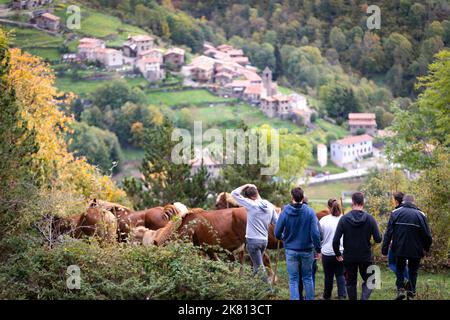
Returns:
(272, 31)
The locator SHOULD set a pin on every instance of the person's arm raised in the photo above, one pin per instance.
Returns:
(240, 199)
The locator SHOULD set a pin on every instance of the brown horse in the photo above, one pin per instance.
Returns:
(152, 219)
(217, 228)
(95, 221)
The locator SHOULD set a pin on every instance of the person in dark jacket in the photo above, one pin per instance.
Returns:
(297, 226)
(357, 229)
(410, 236)
(392, 261)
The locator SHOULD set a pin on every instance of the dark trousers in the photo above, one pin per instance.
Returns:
(300, 283)
(351, 279)
(413, 268)
(333, 268)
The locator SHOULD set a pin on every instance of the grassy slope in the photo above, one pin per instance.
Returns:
(93, 24)
(193, 97)
(36, 42)
(100, 25)
(84, 87)
(331, 190)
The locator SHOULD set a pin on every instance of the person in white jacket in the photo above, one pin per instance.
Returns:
(260, 214)
(331, 266)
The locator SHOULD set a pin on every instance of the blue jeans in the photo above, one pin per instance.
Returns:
(392, 261)
(294, 261)
(300, 284)
(256, 249)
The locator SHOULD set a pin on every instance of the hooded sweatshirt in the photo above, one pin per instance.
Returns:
(298, 227)
(260, 214)
(357, 228)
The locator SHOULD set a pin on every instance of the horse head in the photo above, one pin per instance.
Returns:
(224, 201)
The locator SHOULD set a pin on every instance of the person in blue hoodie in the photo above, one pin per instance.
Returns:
(298, 227)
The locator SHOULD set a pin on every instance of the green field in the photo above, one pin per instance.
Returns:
(84, 87)
(101, 25)
(133, 154)
(331, 128)
(326, 191)
(37, 43)
(186, 97)
(285, 90)
(430, 286)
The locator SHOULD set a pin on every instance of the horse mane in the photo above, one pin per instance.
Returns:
(225, 200)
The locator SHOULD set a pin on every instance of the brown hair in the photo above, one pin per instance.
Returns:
(358, 198)
(398, 196)
(335, 208)
(330, 202)
(250, 192)
(297, 194)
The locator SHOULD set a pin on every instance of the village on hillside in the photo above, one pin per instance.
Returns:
(224, 71)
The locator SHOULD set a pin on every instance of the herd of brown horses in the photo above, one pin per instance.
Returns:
(224, 227)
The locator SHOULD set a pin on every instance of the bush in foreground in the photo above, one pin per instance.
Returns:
(176, 271)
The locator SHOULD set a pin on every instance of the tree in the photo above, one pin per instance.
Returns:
(337, 39)
(17, 142)
(398, 49)
(339, 101)
(422, 131)
(294, 154)
(100, 147)
(164, 181)
(40, 104)
(115, 94)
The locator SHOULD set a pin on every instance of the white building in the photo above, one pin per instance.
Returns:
(351, 149)
(137, 44)
(151, 69)
(87, 49)
(152, 53)
(322, 155)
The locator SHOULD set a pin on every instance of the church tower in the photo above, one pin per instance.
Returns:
(267, 81)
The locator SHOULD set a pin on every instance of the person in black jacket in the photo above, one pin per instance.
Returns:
(410, 235)
(357, 228)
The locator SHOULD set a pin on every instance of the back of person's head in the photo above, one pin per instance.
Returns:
(358, 199)
(297, 194)
(305, 199)
(409, 198)
(335, 209)
(251, 193)
(330, 203)
(398, 196)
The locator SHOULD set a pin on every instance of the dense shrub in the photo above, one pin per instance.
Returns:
(176, 271)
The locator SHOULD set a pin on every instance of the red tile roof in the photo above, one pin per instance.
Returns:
(254, 89)
(354, 139)
(50, 16)
(177, 51)
(142, 37)
(250, 75)
(361, 116)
